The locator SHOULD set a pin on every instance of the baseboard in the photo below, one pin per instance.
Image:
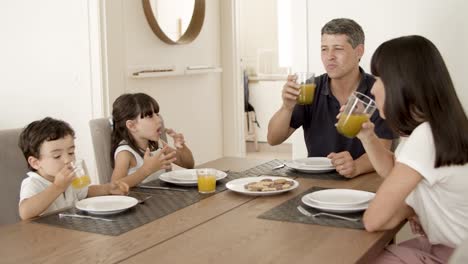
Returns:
(265, 147)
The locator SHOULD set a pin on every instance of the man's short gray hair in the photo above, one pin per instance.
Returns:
(346, 27)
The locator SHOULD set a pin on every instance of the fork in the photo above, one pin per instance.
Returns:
(307, 213)
(278, 167)
(61, 215)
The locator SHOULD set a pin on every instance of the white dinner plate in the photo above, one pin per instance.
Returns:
(186, 177)
(311, 165)
(340, 197)
(334, 209)
(104, 205)
(238, 185)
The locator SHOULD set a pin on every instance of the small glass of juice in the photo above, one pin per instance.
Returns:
(206, 179)
(307, 82)
(82, 178)
(358, 110)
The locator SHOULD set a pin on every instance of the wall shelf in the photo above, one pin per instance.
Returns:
(268, 77)
(202, 69)
(139, 72)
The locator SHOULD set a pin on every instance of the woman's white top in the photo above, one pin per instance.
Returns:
(35, 184)
(139, 162)
(441, 198)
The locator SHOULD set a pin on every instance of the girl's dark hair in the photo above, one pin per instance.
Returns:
(130, 107)
(418, 88)
(40, 131)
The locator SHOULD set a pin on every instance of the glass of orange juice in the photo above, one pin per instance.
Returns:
(206, 179)
(307, 82)
(82, 178)
(358, 110)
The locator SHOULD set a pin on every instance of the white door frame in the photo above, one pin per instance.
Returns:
(232, 81)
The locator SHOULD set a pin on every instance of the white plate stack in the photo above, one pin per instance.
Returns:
(311, 165)
(338, 200)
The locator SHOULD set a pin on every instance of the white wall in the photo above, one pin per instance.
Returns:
(443, 22)
(46, 66)
(189, 104)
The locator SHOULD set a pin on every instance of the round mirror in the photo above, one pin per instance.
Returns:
(175, 21)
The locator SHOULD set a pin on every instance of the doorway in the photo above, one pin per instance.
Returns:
(263, 76)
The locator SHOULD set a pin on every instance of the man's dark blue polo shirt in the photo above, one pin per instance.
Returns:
(318, 120)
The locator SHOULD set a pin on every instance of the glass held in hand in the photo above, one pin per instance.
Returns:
(81, 173)
(307, 90)
(358, 110)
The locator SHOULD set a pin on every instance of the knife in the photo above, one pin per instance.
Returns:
(161, 188)
(84, 216)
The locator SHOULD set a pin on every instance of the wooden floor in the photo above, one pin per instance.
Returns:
(284, 151)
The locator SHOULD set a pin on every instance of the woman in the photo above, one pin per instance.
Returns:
(427, 177)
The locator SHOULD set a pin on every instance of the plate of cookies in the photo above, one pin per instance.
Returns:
(262, 185)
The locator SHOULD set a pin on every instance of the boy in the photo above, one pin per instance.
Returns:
(49, 148)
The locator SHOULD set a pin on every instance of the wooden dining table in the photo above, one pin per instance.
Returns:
(223, 228)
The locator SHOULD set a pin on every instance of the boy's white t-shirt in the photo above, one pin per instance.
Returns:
(35, 184)
(139, 161)
(440, 199)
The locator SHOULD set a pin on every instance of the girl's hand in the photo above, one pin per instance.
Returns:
(162, 160)
(64, 177)
(118, 188)
(178, 138)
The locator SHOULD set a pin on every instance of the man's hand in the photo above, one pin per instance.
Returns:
(344, 163)
(290, 92)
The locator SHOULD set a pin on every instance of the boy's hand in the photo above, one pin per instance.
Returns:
(178, 138)
(162, 160)
(118, 188)
(64, 178)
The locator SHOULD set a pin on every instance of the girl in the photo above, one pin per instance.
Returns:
(136, 154)
(427, 178)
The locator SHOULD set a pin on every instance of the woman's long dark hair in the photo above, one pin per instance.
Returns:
(418, 88)
(129, 107)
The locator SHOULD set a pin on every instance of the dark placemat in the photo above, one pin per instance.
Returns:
(161, 203)
(288, 211)
(267, 169)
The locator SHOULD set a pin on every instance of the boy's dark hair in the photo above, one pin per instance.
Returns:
(40, 131)
(418, 89)
(129, 107)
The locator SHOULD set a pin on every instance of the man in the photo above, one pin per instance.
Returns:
(342, 47)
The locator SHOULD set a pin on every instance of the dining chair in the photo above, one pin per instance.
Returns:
(101, 130)
(13, 171)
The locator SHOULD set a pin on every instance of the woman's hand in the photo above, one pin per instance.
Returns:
(367, 134)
